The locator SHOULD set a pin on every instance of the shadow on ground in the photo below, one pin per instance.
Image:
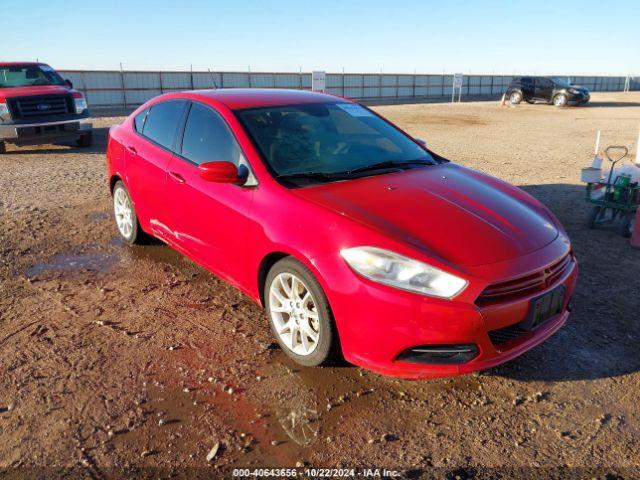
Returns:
(99, 146)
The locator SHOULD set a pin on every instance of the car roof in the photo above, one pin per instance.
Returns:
(242, 98)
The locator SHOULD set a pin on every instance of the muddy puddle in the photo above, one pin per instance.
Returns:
(69, 263)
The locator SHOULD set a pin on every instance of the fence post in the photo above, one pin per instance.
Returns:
(124, 91)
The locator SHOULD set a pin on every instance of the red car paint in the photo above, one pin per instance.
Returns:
(456, 219)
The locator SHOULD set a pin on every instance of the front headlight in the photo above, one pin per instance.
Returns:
(398, 271)
(574, 91)
(81, 105)
(4, 110)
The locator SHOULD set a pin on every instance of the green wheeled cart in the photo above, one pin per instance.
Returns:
(617, 201)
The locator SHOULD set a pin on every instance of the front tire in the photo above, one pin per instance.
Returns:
(3, 148)
(515, 98)
(125, 216)
(560, 100)
(299, 314)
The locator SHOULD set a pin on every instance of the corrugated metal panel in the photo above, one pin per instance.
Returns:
(371, 92)
(334, 80)
(287, 80)
(105, 98)
(353, 92)
(235, 80)
(138, 97)
(389, 80)
(371, 80)
(388, 92)
(353, 80)
(422, 91)
(262, 80)
(141, 80)
(177, 81)
(206, 80)
(435, 91)
(405, 80)
(405, 91)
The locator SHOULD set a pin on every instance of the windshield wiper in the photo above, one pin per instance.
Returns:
(385, 164)
(312, 175)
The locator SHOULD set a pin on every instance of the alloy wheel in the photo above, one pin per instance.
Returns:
(294, 314)
(123, 212)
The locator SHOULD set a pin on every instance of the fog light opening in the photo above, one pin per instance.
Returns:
(440, 354)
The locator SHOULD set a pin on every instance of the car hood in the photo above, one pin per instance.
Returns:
(460, 215)
(34, 90)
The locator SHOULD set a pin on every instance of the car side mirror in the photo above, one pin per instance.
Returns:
(220, 172)
(69, 83)
(423, 143)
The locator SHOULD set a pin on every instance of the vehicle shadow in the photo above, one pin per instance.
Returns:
(592, 104)
(602, 336)
(99, 146)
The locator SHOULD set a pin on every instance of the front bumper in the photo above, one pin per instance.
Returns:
(579, 98)
(44, 131)
(376, 323)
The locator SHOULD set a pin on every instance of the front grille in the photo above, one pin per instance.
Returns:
(505, 334)
(526, 285)
(40, 106)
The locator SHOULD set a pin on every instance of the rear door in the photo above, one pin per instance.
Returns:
(527, 87)
(210, 219)
(543, 88)
(147, 159)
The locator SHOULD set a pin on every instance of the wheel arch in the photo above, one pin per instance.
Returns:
(112, 182)
(266, 263)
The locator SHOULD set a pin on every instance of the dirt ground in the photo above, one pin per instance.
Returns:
(121, 362)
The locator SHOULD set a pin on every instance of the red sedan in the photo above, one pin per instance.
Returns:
(357, 239)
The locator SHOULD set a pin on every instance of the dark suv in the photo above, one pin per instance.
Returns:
(546, 89)
(38, 106)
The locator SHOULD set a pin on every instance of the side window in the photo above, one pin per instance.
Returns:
(139, 120)
(162, 122)
(207, 137)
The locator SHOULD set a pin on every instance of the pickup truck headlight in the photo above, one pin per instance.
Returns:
(81, 105)
(575, 91)
(389, 268)
(4, 110)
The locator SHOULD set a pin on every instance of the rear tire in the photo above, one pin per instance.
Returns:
(515, 98)
(85, 140)
(125, 216)
(3, 148)
(299, 314)
(560, 100)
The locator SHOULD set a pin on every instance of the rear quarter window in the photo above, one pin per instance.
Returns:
(161, 124)
(139, 120)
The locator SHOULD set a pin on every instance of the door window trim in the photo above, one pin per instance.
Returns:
(177, 132)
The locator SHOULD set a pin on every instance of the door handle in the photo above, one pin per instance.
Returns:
(177, 177)
(132, 150)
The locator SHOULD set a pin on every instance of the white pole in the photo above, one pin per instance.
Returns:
(597, 144)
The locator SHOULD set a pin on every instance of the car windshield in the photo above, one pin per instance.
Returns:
(328, 141)
(28, 75)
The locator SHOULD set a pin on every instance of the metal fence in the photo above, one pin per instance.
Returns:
(132, 88)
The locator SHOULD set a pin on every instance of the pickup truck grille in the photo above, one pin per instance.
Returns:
(40, 106)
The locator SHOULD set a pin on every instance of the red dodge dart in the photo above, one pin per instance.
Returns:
(356, 238)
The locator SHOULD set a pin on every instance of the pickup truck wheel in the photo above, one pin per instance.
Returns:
(3, 148)
(515, 98)
(85, 140)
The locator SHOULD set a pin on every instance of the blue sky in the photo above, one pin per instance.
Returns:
(429, 36)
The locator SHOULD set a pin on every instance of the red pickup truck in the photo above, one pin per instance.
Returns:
(37, 106)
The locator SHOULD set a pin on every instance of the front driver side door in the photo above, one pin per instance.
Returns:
(209, 219)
